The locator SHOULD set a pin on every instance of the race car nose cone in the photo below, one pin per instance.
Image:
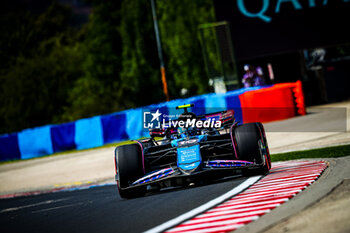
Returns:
(188, 158)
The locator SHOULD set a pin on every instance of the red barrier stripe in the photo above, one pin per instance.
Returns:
(257, 204)
(262, 194)
(280, 186)
(268, 104)
(286, 179)
(214, 229)
(228, 216)
(212, 225)
(265, 208)
(260, 198)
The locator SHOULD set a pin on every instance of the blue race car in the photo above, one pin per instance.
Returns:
(188, 153)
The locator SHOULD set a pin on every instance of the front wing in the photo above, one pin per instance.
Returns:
(210, 169)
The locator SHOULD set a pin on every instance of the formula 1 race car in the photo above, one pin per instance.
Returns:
(184, 152)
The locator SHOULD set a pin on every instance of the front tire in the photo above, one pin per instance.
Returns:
(250, 142)
(129, 168)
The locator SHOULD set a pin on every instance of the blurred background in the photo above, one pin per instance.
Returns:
(69, 59)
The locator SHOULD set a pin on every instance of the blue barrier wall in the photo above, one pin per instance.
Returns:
(99, 130)
(134, 125)
(35, 142)
(62, 137)
(114, 128)
(88, 133)
(9, 149)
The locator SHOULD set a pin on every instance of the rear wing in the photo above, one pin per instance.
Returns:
(226, 117)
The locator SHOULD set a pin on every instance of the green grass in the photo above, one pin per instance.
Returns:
(328, 152)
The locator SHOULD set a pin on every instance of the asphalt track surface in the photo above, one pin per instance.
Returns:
(102, 210)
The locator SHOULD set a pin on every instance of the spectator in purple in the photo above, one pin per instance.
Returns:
(259, 80)
(253, 77)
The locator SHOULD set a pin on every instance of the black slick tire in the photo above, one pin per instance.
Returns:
(129, 168)
(247, 137)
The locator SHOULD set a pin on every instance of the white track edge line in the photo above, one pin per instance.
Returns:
(204, 207)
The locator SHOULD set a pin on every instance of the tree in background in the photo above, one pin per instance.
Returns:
(52, 72)
(141, 82)
(40, 58)
(121, 63)
(178, 22)
(97, 90)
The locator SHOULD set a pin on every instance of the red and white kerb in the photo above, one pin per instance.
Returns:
(285, 180)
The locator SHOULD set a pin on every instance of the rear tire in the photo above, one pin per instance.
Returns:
(248, 136)
(129, 168)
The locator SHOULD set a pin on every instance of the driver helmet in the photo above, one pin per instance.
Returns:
(187, 115)
(191, 130)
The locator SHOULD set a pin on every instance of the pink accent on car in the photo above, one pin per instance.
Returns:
(143, 157)
(233, 142)
(262, 135)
